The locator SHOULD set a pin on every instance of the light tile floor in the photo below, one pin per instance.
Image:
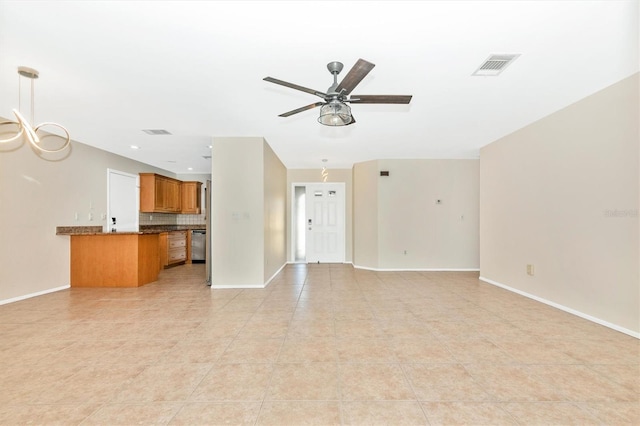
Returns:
(323, 344)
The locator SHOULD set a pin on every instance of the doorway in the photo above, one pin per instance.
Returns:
(123, 195)
(318, 222)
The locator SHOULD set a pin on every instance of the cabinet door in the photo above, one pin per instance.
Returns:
(191, 197)
(172, 194)
(148, 193)
(163, 250)
(176, 247)
(160, 194)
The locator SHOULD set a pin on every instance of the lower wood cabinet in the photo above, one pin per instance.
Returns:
(173, 248)
(128, 259)
(113, 260)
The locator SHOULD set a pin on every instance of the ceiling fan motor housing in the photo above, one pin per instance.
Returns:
(335, 67)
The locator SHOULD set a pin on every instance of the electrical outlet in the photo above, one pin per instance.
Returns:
(150, 217)
(90, 216)
(103, 216)
(76, 216)
(530, 270)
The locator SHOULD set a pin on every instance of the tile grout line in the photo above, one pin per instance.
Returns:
(275, 362)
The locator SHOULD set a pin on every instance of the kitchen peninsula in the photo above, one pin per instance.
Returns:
(119, 259)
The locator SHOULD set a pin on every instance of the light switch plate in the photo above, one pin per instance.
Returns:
(530, 270)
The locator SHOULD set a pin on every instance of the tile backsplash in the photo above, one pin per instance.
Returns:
(190, 219)
(171, 219)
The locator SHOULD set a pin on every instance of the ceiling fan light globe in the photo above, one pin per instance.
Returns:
(335, 113)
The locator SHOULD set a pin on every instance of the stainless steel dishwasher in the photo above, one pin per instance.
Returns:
(198, 245)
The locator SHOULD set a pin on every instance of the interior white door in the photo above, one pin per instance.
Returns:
(123, 194)
(325, 223)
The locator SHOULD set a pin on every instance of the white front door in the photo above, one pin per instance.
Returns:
(325, 222)
(123, 200)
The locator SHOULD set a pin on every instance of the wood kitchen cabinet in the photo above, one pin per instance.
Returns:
(191, 197)
(173, 248)
(159, 194)
(113, 260)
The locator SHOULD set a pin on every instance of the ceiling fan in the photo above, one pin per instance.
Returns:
(334, 110)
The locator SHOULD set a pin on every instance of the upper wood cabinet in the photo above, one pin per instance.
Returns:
(173, 202)
(159, 194)
(191, 197)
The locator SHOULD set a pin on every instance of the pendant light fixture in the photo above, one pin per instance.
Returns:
(325, 173)
(21, 127)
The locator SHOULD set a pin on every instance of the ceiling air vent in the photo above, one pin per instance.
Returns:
(156, 132)
(495, 64)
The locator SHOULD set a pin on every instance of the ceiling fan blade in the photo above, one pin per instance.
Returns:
(304, 108)
(354, 76)
(295, 86)
(380, 99)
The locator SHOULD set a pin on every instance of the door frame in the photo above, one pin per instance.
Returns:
(292, 232)
(106, 227)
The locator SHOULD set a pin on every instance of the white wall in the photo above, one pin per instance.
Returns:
(398, 214)
(365, 214)
(562, 194)
(275, 214)
(237, 200)
(37, 195)
(434, 236)
(247, 212)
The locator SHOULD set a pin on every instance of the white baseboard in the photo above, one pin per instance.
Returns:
(400, 269)
(235, 286)
(241, 286)
(416, 269)
(30, 295)
(564, 308)
(274, 275)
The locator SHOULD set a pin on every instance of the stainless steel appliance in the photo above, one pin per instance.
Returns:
(198, 245)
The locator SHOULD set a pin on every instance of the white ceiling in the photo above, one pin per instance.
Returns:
(110, 69)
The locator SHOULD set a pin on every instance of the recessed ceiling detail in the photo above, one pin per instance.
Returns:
(156, 132)
(495, 64)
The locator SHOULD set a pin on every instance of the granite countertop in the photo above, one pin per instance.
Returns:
(144, 229)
